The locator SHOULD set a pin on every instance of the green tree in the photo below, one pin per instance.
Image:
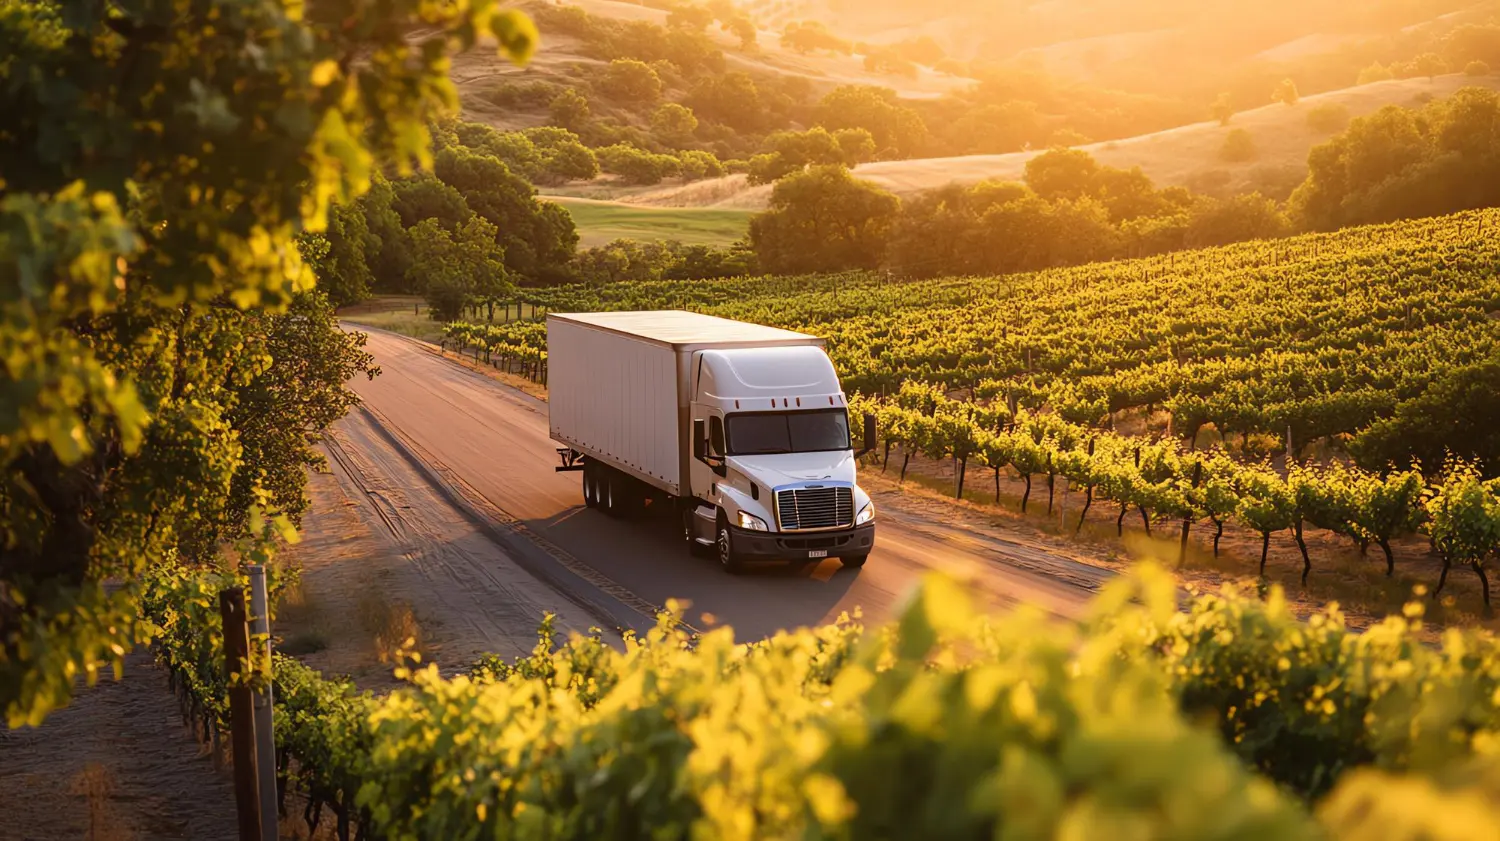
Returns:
(743, 28)
(1235, 219)
(632, 81)
(570, 110)
(533, 237)
(690, 16)
(563, 155)
(674, 123)
(696, 164)
(339, 259)
(1472, 42)
(729, 98)
(428, 197)
(822, 220)
(1375, 72)
(856, 145)
(1427, 64)
(388, 253)
(453, 269)
(898, 130)
(637, 166)
(793, 151)
(809, 36)
(1222, 110)
(1285, 92)
(183, 147)
(1062, 174)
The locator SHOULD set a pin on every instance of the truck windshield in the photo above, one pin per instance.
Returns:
(787, 432)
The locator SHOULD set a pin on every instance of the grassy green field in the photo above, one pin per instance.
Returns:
(405, 314)
(600, 222)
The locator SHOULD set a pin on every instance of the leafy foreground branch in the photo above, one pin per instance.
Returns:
(1231, 719)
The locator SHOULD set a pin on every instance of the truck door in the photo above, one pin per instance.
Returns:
(704, 480)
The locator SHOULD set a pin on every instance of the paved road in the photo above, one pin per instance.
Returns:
(486, 448)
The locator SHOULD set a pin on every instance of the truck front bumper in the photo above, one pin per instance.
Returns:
(760, 545)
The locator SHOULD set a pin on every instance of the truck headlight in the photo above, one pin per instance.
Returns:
(752, 522)
(866, 514)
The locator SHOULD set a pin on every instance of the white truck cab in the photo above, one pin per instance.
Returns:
(743, 429)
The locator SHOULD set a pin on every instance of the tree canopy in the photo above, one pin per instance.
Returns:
(823, 219)
(158, 173)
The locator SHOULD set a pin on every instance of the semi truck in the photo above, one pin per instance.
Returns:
(740, 431)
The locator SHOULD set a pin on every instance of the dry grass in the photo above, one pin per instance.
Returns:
(390, 624)
(405, 322)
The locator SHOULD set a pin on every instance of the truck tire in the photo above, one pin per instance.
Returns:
(854, 562)
(724, 549)
(590, 485)
(607, 487)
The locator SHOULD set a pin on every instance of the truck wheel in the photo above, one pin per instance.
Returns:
(855, 562)
(590, 486)
(724, 548)
(608, 492)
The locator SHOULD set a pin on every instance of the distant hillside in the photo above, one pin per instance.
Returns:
(1186, 156)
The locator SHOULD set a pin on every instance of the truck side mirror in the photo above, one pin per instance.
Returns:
(869, 444)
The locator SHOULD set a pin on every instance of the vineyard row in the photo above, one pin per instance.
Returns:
(1222, 721)
(1458, 511)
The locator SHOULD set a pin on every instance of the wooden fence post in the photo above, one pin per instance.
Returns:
(241, 712)
(265, 734)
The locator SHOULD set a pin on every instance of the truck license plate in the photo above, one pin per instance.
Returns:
(817, 553)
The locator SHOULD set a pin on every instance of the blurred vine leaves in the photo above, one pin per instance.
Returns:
(157, 159)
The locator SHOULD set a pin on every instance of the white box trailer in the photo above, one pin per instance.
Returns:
(723, 420)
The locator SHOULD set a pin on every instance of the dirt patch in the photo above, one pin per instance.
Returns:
(388, 564)
(115, 765)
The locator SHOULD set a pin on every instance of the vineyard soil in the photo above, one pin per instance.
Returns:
(116, 765)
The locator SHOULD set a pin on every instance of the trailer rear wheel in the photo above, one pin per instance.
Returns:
(608, 490)
(590, 485)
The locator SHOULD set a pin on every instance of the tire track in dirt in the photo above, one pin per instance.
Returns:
(450, 571)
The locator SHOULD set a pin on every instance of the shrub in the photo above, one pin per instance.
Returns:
(636, 166)
(1376, 72)
(570, 110)
(1476, 68)
(1238, 147)
(1285, 93)
(1328, 118)
(695, 164)
(630, 80)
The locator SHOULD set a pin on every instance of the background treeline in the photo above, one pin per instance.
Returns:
(664, 88)
(473, 228)
(1396, 163)
(646, 68)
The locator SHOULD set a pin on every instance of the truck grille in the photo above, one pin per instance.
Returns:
(815, 508)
